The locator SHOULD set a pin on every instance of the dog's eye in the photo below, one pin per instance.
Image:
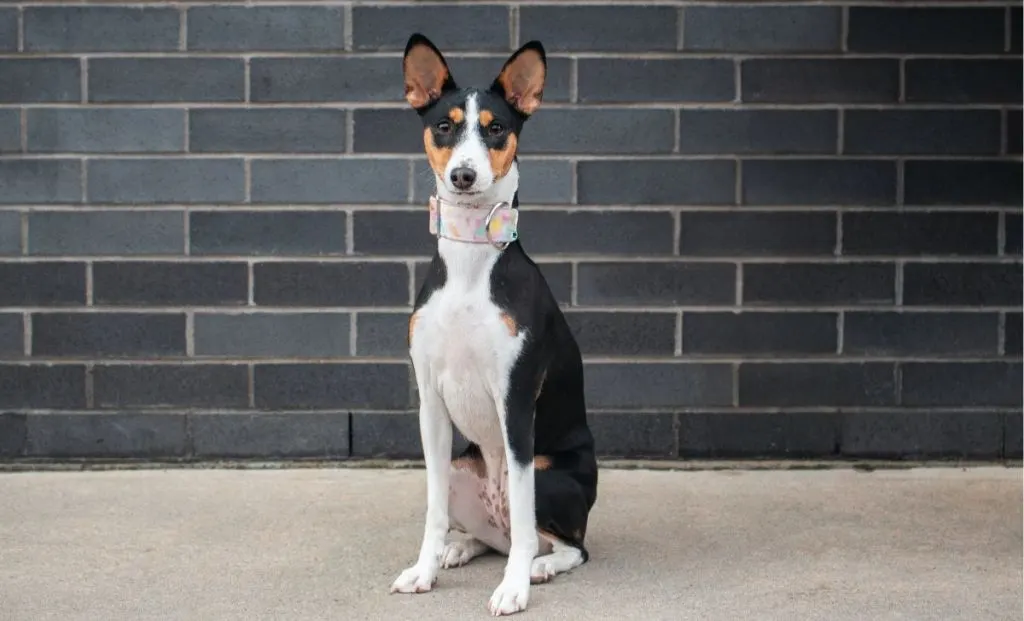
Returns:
(495, 128)
(444, 127)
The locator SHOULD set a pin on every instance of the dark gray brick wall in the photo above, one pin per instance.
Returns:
(789, 229)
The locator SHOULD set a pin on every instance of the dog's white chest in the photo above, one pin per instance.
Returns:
(467, 349)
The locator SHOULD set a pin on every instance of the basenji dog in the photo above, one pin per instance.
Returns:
(491, 350)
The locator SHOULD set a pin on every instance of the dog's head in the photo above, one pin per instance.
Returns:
(471, 135)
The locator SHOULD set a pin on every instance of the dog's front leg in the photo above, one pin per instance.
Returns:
(517, 410)
(436, 439)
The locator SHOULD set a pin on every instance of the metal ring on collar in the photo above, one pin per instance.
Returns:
(487, 225)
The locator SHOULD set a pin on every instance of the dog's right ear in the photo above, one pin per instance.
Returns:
(426, 73)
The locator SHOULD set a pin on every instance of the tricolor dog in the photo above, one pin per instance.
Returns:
(491, 350)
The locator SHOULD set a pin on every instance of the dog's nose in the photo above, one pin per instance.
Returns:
(463, 177)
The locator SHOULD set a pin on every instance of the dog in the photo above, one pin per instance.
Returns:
(491, 351)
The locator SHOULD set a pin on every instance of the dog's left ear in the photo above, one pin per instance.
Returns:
(521, 80)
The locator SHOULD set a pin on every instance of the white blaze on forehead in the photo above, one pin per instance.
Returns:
(471, 151)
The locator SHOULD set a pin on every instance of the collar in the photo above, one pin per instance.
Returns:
(495, 224)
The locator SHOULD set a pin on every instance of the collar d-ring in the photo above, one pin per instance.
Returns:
(487, 226)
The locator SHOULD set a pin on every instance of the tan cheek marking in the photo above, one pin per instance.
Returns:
(541, 462)
(456, 115)
(501, 159)
(437, 156)
(510, 323)
(486, 117)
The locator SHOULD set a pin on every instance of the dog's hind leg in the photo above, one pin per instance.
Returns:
(460, 550)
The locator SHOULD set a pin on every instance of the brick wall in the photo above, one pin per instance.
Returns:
(789, 229)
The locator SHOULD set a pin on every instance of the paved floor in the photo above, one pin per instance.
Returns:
(211, 545)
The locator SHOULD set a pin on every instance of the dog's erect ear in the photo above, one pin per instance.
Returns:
(521, 81)
(426, 72)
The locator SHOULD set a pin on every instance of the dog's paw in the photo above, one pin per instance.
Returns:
(457, 554)
(541, 571)
(415, 579)
(510, 597)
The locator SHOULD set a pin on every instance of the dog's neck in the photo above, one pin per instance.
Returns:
(467, 263)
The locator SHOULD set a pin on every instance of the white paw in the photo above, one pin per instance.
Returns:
(415, 579)
(541, 571)
(456, 554)
(510, 597)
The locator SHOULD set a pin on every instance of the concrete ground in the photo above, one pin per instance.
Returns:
(310, 544)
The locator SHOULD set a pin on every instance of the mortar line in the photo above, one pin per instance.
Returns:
(898, 294)
(347, 27)
(544, 259)
(739, 285)
(411, 267)
(1001, 335)
(844, 28)
(353, 333)
(897, 381)
(247, 169)
(186, 220)
(190, 334)
(84, 171)
(652, 309)
(350, 131)
(676, 129)
(738, 182)
(574, 80)
(737, 80)
(26, 334)
(83, 67)
(350, 244)
(250, 284)
(839, 234)
(840, 331)
(90, 387)
(410, 190)
(903, 80)
(1008, 27)
(23, 129)
(251, 384)
(21, 29)
(574, 283)
(735, 384)
(1001, 235)
(24, 218)
(574, 181)
(829, 359)
(840, 132)
(247, 80)
(90, 285)
(900, 183)
(678, 349)
(680, 28)
(677, 233)
(513, 26)
(183, 28)
(186, 143)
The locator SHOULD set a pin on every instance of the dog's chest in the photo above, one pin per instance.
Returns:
(467, 348)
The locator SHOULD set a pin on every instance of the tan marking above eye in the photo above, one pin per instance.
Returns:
(501, 159)
(486, 116)
(437, 156)
(456, 115)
